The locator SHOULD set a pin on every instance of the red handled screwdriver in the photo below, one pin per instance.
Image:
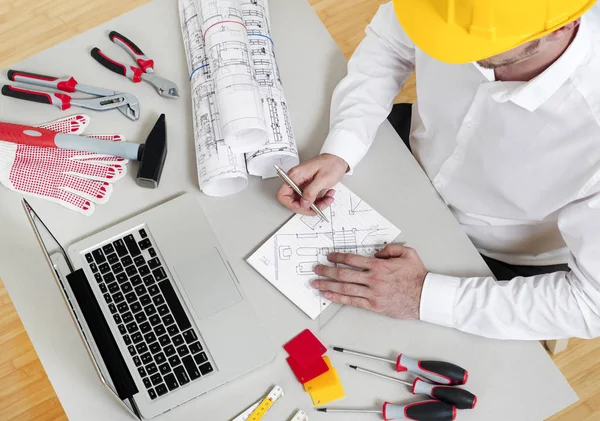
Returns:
(460, 398)
(436, 371)
(418, 411)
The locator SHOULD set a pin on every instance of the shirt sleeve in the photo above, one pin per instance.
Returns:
(364, 98)
(553, 306)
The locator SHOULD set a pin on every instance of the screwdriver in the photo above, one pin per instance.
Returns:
(418, 411)
(437, 371)
(460, 398)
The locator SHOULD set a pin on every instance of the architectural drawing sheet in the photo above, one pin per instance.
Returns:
(221, 172)
(236, 89)
(227, 49)
(287, 259)
(280, 148)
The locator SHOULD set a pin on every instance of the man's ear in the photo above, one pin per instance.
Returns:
(565, 29)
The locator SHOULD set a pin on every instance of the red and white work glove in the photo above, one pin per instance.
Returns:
(74, 179)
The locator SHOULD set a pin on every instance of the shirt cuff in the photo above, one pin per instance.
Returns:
(437, 299)
(346, 145)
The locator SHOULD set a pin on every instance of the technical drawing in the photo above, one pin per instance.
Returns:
(227, 48)
(305, 241)
(311, 222)
(285, 252)
(318, 245)
(306, 268)
(237, 96)
(280, 147)
(357, 205)
(220, 171)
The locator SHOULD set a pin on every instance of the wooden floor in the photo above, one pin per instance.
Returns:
(30, 26)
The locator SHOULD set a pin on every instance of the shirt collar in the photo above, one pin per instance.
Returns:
(533, 94)
(487, 73)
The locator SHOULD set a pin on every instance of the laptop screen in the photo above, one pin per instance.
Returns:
(61, 265)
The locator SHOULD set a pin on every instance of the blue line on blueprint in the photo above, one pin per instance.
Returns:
(264, 36)
(196, 69)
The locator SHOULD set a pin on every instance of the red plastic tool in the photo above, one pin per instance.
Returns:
(306, 356)
(306, 374)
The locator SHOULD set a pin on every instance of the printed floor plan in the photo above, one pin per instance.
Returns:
(287, 259)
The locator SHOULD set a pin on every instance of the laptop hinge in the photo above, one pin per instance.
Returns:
(103, 337)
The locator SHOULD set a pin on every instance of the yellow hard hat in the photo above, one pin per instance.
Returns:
(462, 31)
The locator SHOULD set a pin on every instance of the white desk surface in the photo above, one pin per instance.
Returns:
(513, 380)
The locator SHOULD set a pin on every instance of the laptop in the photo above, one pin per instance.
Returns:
(157, 306)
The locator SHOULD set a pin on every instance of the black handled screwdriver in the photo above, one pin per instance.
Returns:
(439, 372)
(460, 398)
(418, 411)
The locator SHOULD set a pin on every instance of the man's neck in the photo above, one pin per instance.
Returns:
(526, 70)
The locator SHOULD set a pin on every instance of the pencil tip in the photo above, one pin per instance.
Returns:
(338, 349)
(322, 409)
(353, 366)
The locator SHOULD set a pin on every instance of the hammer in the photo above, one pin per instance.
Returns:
(151, 155)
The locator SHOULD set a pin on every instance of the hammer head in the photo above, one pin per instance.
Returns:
(152, 155)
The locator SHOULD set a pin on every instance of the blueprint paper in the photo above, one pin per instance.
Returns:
(221, 172)
(280, 148)
(242, 44)
(287, 259)
(227, 49)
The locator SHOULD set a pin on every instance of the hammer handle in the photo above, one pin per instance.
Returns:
(36, 136)
(26, 135)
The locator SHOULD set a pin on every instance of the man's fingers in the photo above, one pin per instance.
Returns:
(324, 202)
(292, 203)
(311, 191)
(348, 300)
(354, 260)
(341, 274)
(302, 173)
(287, 198)
(393, 250)
(343, 288)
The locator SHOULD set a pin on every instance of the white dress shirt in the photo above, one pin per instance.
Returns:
(517, 163)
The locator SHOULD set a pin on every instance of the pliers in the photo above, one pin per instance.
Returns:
(145, 72)
(105, 99)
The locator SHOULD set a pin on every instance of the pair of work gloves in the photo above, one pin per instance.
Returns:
(75, 179)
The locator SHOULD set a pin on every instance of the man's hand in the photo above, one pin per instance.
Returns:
(389, 283)
(313, 176)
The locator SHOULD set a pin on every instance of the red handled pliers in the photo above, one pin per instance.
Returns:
(104, 99)
(145, 72)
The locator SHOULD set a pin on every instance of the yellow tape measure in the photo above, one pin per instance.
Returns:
(259, 409)
(266, 404)
(300, 416)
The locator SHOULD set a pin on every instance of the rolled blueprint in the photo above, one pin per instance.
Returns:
(221, 172)
(280, 147)
(238, 98)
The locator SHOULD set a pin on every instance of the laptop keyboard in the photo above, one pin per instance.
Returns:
(160, 338)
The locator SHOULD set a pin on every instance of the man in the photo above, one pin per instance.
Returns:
(507, 127)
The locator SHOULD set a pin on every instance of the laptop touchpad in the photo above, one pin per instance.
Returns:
(208, 283)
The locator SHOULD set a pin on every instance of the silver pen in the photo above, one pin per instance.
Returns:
(287, 180)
